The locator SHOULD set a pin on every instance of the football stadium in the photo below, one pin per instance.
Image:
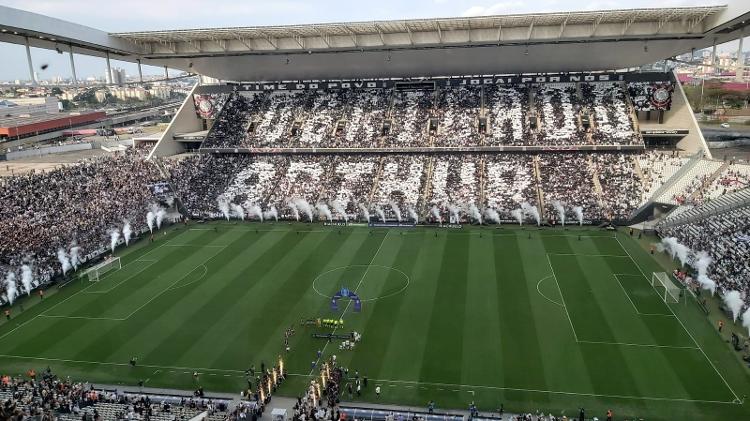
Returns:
(502, 217)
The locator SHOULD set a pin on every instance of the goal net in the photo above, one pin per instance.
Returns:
(98, 271)
(663, 284)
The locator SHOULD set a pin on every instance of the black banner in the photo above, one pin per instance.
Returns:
(437, 82)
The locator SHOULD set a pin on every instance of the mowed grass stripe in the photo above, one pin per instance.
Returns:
(115, 342)
(443, 356)
(482, 340)
(607, 368)
(232, 280)
(297, 299)
(409, 324)
(558, 351)
(53, 336)
(522, 363)
(379, 318)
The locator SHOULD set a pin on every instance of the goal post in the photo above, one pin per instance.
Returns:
(96, 272)
(663, 284)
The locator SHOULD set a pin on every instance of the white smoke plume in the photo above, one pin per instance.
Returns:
(27, 278)
(492, 215)
(224, 207)
(578, 210)
(413, 215)
(304, 207)
(127, 231)
(733, 300)
(518, 214)
(560, 210)
(160, 214)
(114, 236)
(271, 213)
(63, 259)
(11, 290)
(475, 214)
(340, 209)
(150, 218)
(239, 211)
(396, 210)
(454, 213)
(365, 212)
(700, 262)
(746, 319)
(380, 213)
(323, 211)
(74, 259)
(675, 249)
(293, 208)
(436, 213)
(255, 211)
(531, 211)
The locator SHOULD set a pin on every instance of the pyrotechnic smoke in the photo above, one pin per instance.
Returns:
(340, 209)
(224, 208)
(365, 212)
(293, 207)
(675, 249)
(11, 290)
(323, 211)
(453, 212)
(150, 218)
(475, 214)
(114, 235)
(560, 210)
(436, 213)
(27, 278)
(396, 210)
(239, 211)
(160, 214)
(700, 262)
(746, 319)
(63, 259)
(518, 214)
(74, 259)
(271, 213)
(255, 210)
(413, 215)
(305, 207)
(733, 300)
(380, 213)
(531, 211)
(491, 215)
(127, 232)
(578, 210)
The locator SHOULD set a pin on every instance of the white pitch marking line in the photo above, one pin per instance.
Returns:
(540, 292)
(160, 367)
(557, 392)
(638, 345)
(565, 306)
(737, 398)
(589, 255)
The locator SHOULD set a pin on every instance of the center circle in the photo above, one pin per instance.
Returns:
(370, 282)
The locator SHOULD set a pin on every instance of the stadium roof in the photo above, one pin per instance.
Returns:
(524, 43)
(416, 31)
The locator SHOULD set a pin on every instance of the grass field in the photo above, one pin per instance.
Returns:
(533, 319)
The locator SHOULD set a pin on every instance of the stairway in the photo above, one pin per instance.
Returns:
(376, 181)
(595, 179)
(539, 192)
(699, 192)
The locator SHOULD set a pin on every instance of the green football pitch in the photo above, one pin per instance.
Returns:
(534, 319)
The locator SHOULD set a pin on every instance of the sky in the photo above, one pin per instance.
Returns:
(139, 15)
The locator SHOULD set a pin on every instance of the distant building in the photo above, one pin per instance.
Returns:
(116, 77)
(38, 105)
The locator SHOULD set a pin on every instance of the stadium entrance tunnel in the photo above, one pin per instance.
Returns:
(369, 282)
